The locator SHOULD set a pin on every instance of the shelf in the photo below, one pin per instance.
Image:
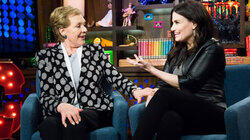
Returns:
(122, 28)
(247, 23)
(117, 28)
(135, 69)
(127, 48)
(108, 30)
(108, 48)
(158, 9)
(231, 45)
(95, 29)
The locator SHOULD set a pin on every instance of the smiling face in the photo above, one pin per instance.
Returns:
(75, 32)
(182, 28)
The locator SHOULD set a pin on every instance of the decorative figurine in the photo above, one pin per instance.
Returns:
(127, 15)
(106, 21)
(130, 41)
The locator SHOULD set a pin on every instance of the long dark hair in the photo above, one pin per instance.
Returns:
(197, 13)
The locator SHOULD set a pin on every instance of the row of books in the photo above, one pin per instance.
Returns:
(248, 45)
(156, 48)
(230, 52)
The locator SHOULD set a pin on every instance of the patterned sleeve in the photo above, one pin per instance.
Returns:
(121, 83)
(48, 98)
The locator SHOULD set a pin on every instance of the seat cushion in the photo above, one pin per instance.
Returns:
(205, 137)
(36, 136)
(106, 133)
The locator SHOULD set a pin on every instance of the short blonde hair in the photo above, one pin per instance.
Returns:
(59, 18)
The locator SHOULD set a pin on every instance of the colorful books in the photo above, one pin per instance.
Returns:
(156, 48)
(248, 45)
(230, 52)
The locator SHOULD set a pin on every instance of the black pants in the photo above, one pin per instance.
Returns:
(172, 113)
(52, 129)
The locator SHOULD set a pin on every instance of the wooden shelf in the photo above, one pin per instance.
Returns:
(247, 23)
(94, 29)
(122, 28)
(127, 48)
(117, 28)
(231, 45)
(135, 69)
(156, 8)
(108, 48)
(29, 73)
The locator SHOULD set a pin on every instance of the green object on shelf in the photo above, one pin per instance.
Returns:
(88, 41)
(33, 61)
(109, 53)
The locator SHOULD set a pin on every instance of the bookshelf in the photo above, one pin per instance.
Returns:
(159, 9)
(140, 28)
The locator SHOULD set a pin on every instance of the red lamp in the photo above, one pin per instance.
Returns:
(11, 80)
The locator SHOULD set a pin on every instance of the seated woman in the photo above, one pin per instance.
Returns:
(73, 102)
(189, 99)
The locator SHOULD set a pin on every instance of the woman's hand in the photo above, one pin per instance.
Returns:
(140, 63)
(69, 111)
(150, 96)
(139, 93)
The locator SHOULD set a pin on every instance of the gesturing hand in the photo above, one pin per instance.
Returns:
(140, 63)
(69, 111)
(139, 93)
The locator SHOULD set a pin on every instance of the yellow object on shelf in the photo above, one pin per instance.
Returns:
(97, 40)
(104, 42)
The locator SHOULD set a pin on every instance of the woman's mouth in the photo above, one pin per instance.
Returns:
(82, 37)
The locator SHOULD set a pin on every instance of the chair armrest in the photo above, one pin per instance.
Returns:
(237, 120)
(134, 114)
(120, 114)
(30, 116)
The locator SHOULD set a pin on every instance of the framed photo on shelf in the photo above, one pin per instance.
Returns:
(158, 24)
(110, 56)
(148, 16)
(168, 34)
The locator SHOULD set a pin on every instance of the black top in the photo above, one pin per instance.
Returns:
(203, 73)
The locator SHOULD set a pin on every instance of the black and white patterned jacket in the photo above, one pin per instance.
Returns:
(56, 85)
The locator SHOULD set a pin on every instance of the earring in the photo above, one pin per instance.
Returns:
(194, 33)
(64, 36)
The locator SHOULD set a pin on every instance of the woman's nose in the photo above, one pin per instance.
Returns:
(84, 29)
(172, 28)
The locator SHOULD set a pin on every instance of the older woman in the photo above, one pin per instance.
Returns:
(189, 99)
(73, 103)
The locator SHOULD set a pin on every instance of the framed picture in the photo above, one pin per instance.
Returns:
(148, 16)
(169, 34)
(158, 24)
(109, 54)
